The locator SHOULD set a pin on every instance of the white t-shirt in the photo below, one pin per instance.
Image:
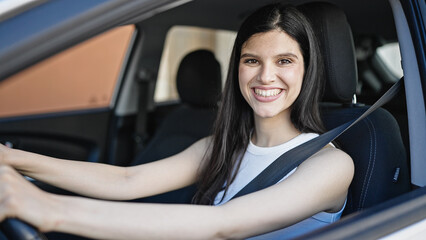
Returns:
(255, 160)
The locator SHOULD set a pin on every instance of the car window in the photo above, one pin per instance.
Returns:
(391, 57)
(180, 41)
(82, 77)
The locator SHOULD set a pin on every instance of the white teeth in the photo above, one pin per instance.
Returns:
(267, 93)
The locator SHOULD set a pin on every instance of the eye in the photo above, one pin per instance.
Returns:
(284, 61)
(250, 61)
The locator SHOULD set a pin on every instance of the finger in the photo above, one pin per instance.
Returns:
(8, 206)
(2, 212)
(7, 173)
(3, 151)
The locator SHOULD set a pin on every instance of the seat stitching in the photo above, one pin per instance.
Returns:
(368, 167)
(374, 161)
(369, 173)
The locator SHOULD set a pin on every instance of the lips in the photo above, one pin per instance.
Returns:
(267, 95)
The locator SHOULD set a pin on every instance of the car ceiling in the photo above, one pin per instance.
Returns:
(376, 15)
(367, 18)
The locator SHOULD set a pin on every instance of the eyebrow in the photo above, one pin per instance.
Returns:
(279, 55)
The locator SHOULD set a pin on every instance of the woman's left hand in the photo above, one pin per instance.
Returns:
(21, 199)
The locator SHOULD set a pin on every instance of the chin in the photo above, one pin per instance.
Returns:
(271, 113)
(266, 115)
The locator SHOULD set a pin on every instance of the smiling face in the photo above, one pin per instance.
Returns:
(271, 72)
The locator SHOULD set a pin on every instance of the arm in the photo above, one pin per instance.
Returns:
(106, 181)
(319, 184)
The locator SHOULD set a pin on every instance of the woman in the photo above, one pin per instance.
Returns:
(269, 105)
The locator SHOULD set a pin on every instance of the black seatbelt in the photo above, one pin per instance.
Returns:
(294, 157)
(144, 78)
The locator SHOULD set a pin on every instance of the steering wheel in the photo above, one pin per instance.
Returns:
(16, 229)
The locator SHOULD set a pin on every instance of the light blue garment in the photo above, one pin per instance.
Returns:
(315, 222)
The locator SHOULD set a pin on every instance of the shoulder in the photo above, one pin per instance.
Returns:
(329, 171)
(330, 160)
(199, 148)
(332, 156)
(202, 145)
(330, 167)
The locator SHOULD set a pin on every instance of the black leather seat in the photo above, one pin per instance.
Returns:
(375, 143)
(199, 86)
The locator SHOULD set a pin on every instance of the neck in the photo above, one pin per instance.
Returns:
(273, 131)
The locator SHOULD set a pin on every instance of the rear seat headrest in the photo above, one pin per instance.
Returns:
(199, 80)
(337, 47)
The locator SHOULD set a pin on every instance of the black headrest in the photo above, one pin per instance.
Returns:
(199, 80)
(337, 46)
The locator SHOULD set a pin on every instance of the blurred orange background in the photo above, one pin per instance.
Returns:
(82, 77)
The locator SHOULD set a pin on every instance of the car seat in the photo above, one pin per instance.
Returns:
(375, 143)
(199, 85)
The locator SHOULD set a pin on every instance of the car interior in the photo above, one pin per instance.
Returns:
(374, 144)
(349, 33)
(199, 85)
(376, 151)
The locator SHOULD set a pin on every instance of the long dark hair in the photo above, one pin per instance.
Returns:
(231, 133)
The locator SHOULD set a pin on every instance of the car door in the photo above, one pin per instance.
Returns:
(58, 98)
(63, 106)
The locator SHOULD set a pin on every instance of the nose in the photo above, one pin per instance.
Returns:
(267, 74)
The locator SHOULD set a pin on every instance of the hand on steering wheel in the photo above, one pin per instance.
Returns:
(19, 198)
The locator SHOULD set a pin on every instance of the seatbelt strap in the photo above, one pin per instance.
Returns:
(294, 157)
(144, 78)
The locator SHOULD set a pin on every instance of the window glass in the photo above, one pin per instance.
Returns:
(391, 56)
(82, 77)
(182, 40)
